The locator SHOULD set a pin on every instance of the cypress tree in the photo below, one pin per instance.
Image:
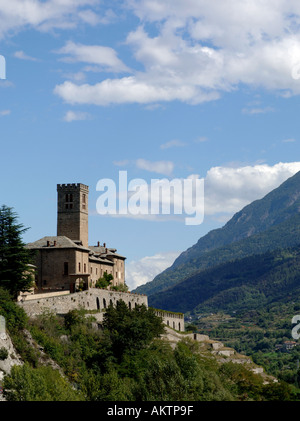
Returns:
(15, 273)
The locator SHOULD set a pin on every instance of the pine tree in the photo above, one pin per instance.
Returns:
(15, 273)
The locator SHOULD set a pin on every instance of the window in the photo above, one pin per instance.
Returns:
(79, 267)
(69, 201)
(83, 201)
(66, 268)
(84, 268)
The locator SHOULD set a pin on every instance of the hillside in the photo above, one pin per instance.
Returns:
(131, 358)
(248, 283)
(278, 212)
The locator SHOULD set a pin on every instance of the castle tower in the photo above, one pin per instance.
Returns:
(72, 212)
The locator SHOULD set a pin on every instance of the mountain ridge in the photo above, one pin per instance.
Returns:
(273, 209)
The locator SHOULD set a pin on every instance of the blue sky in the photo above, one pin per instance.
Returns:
(160, 89)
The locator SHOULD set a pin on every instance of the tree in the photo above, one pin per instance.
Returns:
(105, 281)
(15, 274)
(131, 330)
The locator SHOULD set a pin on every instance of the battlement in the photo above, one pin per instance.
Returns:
(72, 186)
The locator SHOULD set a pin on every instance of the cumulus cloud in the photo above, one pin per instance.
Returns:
(16, 15)
(227, 190)
(201, 49)
(139, 272)
(104, 57)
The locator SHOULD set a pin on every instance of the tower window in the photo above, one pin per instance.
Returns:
(69, 201)
(79, 268)
(83, 201)
(84, 267)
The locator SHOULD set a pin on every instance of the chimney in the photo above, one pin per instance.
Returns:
(104, 244)
(98, 244)
(48, 243)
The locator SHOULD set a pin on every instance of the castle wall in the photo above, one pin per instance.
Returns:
(173, 320)
(92, 299)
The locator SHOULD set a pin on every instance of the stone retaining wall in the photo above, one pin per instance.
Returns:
(92, 299)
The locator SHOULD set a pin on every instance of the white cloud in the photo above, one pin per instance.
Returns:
(252, 111)
(5, 113)
(130, 90)
(76, 115)
(121, 163)
(104, 57)
(139, 272)
(172, 144)
(23, 56)
(227, 190)
(160, 167)
(290, 140)
(202, 48)
(16, 15)
(201, 139)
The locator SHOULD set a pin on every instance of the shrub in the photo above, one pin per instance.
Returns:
(3, 353)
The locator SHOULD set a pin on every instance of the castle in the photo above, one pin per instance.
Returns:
(66, 261)
(67, 268)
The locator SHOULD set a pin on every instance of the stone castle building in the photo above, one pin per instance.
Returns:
(66, 261)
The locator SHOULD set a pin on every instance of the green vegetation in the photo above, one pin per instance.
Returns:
(243, 284)
(40, 384)
(261, 334)
(105, 281)
(15, 273)
(126, 361)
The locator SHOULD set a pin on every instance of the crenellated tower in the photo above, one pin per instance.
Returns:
(72, 212)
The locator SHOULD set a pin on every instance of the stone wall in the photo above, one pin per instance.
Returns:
(92, 299)
(173, 320)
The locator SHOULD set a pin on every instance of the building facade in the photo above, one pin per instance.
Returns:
(66, 261)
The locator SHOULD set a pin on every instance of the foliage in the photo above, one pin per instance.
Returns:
(15, 316)
(3, 353)
(127, 361)
(247, 283)
(15, 275)
(119, 288)
(40, 384)
(130, 330)
(105, 281)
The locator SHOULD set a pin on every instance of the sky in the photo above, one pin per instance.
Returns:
(162, 90)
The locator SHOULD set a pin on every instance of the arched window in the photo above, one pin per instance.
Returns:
(98, 303)
(104, 303)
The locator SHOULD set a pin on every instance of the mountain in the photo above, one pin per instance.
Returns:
(276, 215)
(245, 284)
